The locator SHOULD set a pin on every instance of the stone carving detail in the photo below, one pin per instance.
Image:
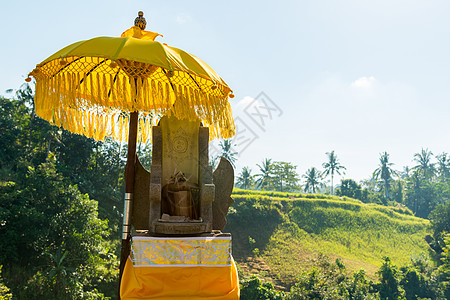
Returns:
(141, 200)
(223, 178)
(210, 192)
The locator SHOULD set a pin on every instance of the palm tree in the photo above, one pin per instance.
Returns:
(312, 178)
(444, 166)
(227, 151)
(405, 174)
(245, 179)
(264, 176)
(332, 166)
(425, 166)
(384, 172)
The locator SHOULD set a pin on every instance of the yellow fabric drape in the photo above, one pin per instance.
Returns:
(190, 268)
(137, 32)
(179, 283)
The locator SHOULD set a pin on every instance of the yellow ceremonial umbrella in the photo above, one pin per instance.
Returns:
(120, 86)
(89, 87)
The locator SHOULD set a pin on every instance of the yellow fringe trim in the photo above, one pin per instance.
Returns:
(88, 97)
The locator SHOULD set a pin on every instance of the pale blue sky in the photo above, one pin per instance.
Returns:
(358, 77)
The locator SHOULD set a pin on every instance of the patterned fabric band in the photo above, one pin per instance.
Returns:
(181, 252)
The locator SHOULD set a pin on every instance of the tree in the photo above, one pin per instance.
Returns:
(349, 188)
(245, 179)
(256, 289)
(46, 216)
(43, 212)
(263, 178)
(444, 269)
(389, 287)
(422, 195)
(443, 166)
(4, 290)
(418, 279)
(328, 280)
(284, 176)
(332, 166)
(440, 224)
(384, 172)
(227, 152)
(398, 188)
(426, 168)
(312, 180)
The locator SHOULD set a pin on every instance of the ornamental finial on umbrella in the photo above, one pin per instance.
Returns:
(140, 21)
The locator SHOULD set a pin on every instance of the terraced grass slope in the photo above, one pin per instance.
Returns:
(288, 229)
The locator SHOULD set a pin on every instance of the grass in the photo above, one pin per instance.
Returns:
(291, 228)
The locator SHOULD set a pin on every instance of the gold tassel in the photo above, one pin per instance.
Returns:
(133, 95)
(90, 127)
(112, 97)
(138, 100)
(124, 91)
(125, 138)
(146, 94)
(97, 80)
(102, 128)
(85, 123)
(105, 89)
(120, 127)
(111, 126)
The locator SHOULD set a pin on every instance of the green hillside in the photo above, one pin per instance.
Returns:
(289, 229)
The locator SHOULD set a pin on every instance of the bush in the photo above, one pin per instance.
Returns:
(256, 289)
(4, 290)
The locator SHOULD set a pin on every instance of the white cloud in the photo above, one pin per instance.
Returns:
(363, 82)
(241, 104)
(183, 18)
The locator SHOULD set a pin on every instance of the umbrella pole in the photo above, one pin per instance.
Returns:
(129, 189)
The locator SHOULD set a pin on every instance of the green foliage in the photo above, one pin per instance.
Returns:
(332, 166)
(384, 172)
(443, 166)
(50, 224)
(252, 224)
(416, 285)
(256, 289)
(422, 195)
(294, 226)
(389, 285)
(227, 152)
(245, 179)
(424, 165)
(312, 180)
(349, 188)
(326, 280)
(263, 178)
(4, 290)
(54, 245)
(440, 222)
(284, 176)
(280, 195)
(443, 271)
(398, 191)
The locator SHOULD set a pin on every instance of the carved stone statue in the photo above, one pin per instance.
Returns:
(181, 195)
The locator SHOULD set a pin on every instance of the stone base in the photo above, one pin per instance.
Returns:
(181, 228)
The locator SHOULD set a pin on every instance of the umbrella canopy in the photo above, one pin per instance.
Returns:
(90, 87)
